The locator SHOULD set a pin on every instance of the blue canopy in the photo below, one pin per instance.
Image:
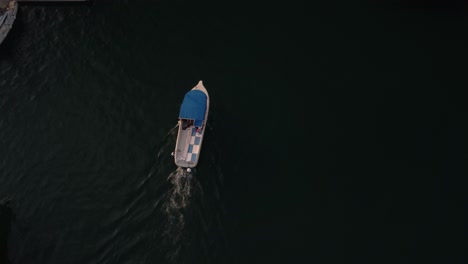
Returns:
(194, 107)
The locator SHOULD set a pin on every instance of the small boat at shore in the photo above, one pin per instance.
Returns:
(8, 10)
(193, 117)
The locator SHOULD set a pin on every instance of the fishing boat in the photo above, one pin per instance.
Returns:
(193, 116)
(8, 10)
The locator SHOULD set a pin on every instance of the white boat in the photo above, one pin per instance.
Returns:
(193, 117)
(8, 10)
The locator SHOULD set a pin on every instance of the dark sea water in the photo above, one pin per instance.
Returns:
(336, 133)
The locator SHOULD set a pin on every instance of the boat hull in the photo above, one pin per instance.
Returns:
(7, 19)
(189, 138)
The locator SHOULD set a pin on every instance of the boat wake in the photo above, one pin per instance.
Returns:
(179, 187)
(178, 199)
(179, 211)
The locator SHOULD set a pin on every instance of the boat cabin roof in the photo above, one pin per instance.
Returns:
(194, 106)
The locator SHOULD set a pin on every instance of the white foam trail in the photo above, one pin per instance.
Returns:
(178, 198)
(182, 187)
(181, 190)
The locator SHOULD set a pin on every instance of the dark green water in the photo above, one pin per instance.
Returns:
(336, 132)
